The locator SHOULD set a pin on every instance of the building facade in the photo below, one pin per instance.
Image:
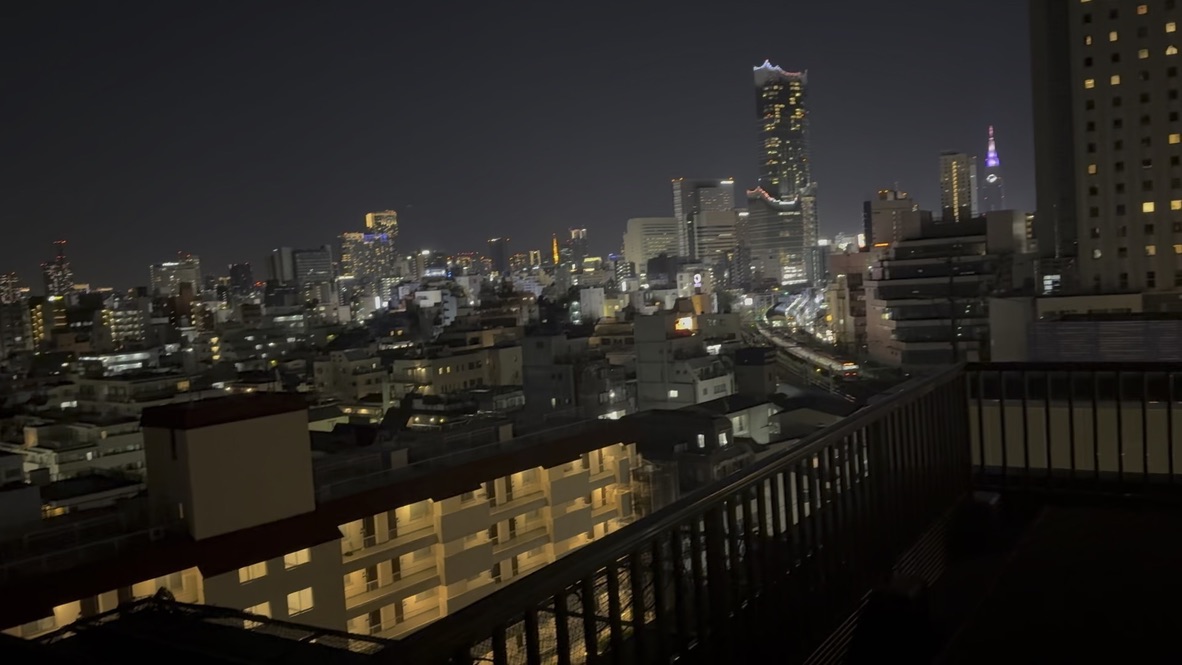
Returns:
(782, 118)
(382, 554)
(958, 187)
(1109, 142)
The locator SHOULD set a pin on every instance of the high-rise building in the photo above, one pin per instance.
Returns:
(165, 279)
(692, 198)
(498, 253)
(382, 229)
(519, 262)
(535, 258)
(312, 266)
(649, 237)
(241, 278)
(778, 241)
(578, 246)
(59, 278)
(783, 131)
(778, 236)
(889, 217)
(281, 265)
(10, 288)
(958, 187)
(993, 193)
(1108, 142)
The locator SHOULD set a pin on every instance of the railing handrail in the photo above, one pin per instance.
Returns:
(1064, 367)
(470, 624)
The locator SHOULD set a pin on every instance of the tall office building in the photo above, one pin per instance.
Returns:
(498, 253)
(382, 227)
(778, 241)
(165, 279)
(281, 265)
(241, 278)
(692, 198)
(888, 218)
(312, 266)
(649, 237)
(10, 288)
(59, 278)
(578, 246)
(958, 187)
(993, 193)
(1108, 142)
(783, 131)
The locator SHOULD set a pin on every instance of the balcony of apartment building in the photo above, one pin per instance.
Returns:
(982, 513)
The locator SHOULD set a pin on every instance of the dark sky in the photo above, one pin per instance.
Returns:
(226, 128)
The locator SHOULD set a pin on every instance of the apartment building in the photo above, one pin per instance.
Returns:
(440, 371)
(129, 394)
(349, 374)
(381, 553)
(79, 444)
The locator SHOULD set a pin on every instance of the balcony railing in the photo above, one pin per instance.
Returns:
(804, 536)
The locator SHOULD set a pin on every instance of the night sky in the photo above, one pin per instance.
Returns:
(228, 128)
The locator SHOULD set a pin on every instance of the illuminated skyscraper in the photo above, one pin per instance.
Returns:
(993, 193)
(958, 187)
(778, 237)
(10, 288)
(578, 246)
(167, 278)
(59, 278)
(783, 131)
(692, 198)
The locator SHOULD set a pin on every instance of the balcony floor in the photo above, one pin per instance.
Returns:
(1075, 582)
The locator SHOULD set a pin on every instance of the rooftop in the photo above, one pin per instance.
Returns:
(725, 405)
(192, 633)
(221, 410)
(79, 486)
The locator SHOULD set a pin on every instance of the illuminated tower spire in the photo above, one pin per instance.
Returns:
(991, 160)
(993, 194)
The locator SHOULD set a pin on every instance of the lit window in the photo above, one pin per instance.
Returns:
(673, 394)
(1143, 54)
(1171, 27)
(1171, 50)
(1151, 250)
(1088, 40)
(1178, 249)
(252, 572)
(1097, 253)
(1113, 36)
(1089, 83)
(1142, 9)
(262, 609)
(299, 602)
(1147, 206)
(1091, 169)
(297, 558)
(1175, 138)
(1176, 204)
(701, 440)
(1115, 80)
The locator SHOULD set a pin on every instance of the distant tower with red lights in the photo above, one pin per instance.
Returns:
(993, 193)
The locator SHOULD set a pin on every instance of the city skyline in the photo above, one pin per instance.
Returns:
(242, 197)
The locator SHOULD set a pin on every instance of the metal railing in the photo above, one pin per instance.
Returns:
(802, 536)
(1079, 426)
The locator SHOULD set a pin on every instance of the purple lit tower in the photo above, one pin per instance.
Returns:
(993, 193)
